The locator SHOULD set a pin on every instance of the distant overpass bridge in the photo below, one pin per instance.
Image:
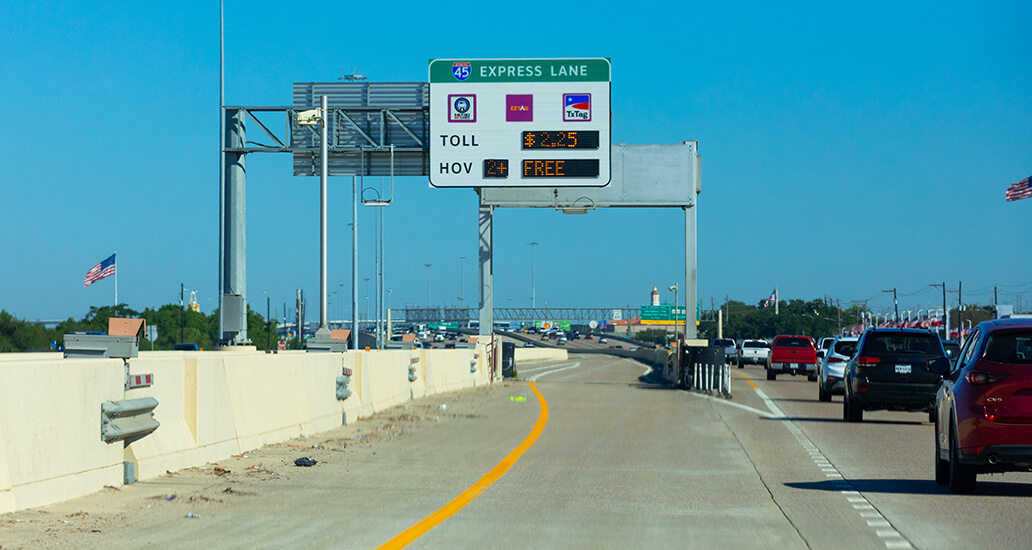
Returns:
(577, 314)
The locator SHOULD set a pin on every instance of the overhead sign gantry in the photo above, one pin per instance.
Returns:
(520, 122)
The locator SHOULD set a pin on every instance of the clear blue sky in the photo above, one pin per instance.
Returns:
(846, 150)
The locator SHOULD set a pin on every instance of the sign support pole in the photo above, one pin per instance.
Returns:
(486, 272)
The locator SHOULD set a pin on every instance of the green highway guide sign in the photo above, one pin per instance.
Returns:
(520, 122)
(662, 312)
(519, 70)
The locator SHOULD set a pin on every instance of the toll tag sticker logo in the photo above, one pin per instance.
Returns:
(576, 107)
(519, 107)
(461, 70)
(462, 108)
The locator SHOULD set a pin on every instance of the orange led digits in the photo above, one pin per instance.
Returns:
(496, 168)
(560, 139)
(560, 168)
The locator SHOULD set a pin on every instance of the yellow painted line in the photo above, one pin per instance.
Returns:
(458, 503)
(747, 379)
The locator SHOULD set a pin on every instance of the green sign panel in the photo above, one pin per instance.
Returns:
(662, 312)
(564, 325)
(519, 70)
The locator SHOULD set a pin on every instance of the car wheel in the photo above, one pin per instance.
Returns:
(962, 476)
(771, 375)
(931, 416)
(942, 467)
(853, 412)
(811, 378)
(823, 396)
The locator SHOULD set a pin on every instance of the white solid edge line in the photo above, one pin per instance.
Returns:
(731, 403)
(545, 367)
(536, 376)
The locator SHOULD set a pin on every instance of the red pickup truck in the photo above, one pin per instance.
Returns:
(792, 355)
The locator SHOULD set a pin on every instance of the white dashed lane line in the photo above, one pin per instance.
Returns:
(874, 519)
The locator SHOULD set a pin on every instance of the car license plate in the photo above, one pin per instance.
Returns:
(902, 369)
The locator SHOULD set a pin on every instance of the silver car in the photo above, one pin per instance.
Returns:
(831, 371)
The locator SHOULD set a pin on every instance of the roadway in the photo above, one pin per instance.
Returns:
(622, 462)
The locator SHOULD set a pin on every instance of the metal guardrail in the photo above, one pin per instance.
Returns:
(127, 420)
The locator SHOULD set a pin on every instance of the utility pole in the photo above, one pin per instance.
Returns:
(838, 306)
(996, 303)
(182, 313)
(895, 303)
(268, 323)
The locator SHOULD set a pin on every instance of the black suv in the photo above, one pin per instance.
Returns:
(890, 371)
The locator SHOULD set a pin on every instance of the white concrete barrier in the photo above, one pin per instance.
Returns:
(524, 355)
(210, 405)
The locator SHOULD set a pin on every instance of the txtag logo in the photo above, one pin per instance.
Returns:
(576, 107)
(519, 107)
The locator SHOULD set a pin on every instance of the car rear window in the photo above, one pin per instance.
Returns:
(794, 342)
(723, 342)
(826, 344)
(755, 344)
(845, 348)
(921, 344)
(1015, 347)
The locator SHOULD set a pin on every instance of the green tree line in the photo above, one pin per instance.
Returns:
(20, 335)
(816, 318)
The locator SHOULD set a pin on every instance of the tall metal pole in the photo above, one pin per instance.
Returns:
(354, 263)
(428, 266)
(533, 290)
(486, 272)
(324, 330)
(462, 281)
(222, 165)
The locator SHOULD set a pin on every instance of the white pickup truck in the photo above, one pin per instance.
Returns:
(730, 350)
(753, 351)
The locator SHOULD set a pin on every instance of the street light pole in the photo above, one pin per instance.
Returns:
(677, 345)
(462, 281)
(533, 294)
(427, 286)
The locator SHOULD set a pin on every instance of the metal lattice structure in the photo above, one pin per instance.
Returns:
(512, 314)
(374, 129)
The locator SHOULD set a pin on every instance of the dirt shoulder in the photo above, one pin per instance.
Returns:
(243, 485)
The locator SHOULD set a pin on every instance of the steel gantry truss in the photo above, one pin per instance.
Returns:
(584, 314)
(371, 129)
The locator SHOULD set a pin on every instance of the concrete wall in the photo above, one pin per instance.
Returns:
(524, 355)
(211, 405)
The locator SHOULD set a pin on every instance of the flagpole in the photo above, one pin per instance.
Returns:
(776, 300)
(116, 277)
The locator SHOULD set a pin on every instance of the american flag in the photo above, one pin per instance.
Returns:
(1020, 190)
(773, 297)
(105, 268)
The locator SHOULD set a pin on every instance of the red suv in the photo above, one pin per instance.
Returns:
(984, 407)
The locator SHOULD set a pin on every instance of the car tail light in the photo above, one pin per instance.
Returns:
(867, 360)
(835, 360)
(981, 378)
